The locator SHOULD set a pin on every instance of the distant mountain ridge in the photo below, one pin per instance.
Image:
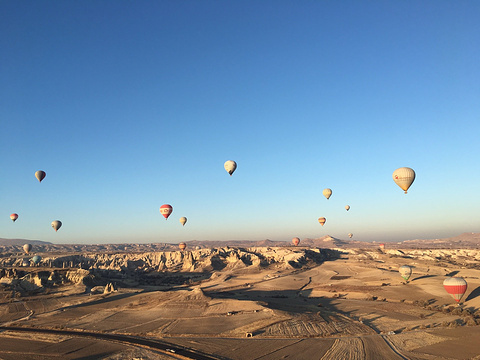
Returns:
(466, 239)
(12, 242)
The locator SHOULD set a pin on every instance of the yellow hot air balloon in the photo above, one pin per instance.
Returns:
(347, 207)
(230, 166)
(322, 220)
(350, 235)
(404, 177)
(327, 193)
(183, 220)
(56, 224)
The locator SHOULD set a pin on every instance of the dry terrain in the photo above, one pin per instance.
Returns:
(240, 303)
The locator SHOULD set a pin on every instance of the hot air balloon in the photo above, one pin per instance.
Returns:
(166, 210)
(27, 248)
(295, 241)
(36, 259)
(404, 177)
(56, 224)
(327, 193)
(182, 246)
(405, 272)
(382, 246)
(322, 220)
(230, 166)
(347, 207)
(26, 262)
(183, 220)
(350, 235)
(455, 286)
(40, 175)
(14, 217)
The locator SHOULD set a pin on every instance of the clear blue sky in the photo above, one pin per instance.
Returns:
(128, 105)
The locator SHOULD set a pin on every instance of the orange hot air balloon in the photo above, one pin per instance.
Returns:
(295, 241)
(382, 246)
(455, 286)
(14, 217)
(322, 220)
(166, 210)
(40, 175)
(182, 246)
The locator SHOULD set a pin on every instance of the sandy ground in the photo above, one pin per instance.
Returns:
(354, 307)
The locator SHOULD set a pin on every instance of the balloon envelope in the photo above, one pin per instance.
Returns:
(182, 246)
(27, 248)
(347, 207)
(36, 259)
(322, 220)
(56, 224)
(40, 175)
(405, 272)
(166, 210)
(404, 177)
(350, 235)
(327, 193)
(14, 217)
(455, 286)
(230, 166)
(296, 241)
(183, 220)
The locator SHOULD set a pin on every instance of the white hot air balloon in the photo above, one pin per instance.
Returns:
(56, 224)
(183, 220)
(405, 272)
(404, 177)
(230, 166)
(327, 193)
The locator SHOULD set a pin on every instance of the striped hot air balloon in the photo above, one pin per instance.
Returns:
(455, 286)
(322, 220)
(166, 210)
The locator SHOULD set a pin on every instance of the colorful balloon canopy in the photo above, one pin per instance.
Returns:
(27, 248)
(322, 220)
(40, 175)
(404, 177)
(455, 286)
(56, 224)
(347, 207)
(14, 217)
(405, 272)
(183, 220)
(182, 246)
(296, 241)
(230, 166)
(327, 193)
(350, 235)
(166, 210)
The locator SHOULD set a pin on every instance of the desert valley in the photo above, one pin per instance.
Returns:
(324, 299)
